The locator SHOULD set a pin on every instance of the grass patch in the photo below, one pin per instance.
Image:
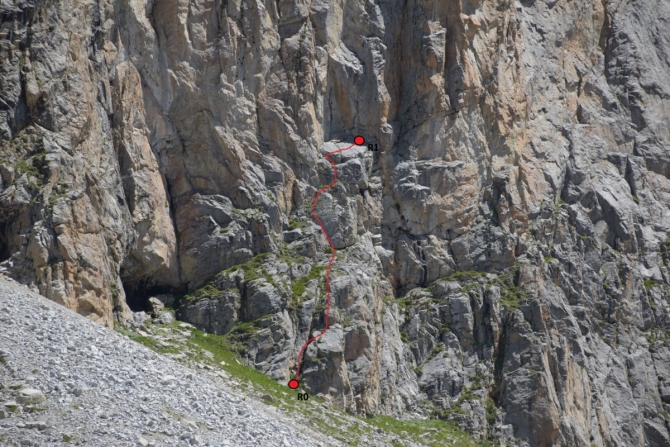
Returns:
(342, 426)
(511, 300)
(253, 269)
(439, 347)
(404, 303)
(512, 294)
(432, 432)
(464, 275)
(490, 412)
(248, 327)
(207, 291)
(294, 224)
(650, 283)
(298, 286)
(25, 168)
(141, 339)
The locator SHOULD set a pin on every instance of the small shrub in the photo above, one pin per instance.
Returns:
(25, 168)
(490, 411)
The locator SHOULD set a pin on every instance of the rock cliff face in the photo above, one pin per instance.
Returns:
(502, 259)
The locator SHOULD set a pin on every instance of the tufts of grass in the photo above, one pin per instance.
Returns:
(333, 422)
(432, 432)
(248, 327)
(298, 286)
(404, 303)
(464, 275)
(511, 299)
(253, 269)
(439, 347)
(25, 168)
(146, 341)
(513, 295)
(294, 224)
(207, 291)
(490, 412)
(650, 283)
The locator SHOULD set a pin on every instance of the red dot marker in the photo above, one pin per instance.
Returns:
(293, 384)
(359, 140)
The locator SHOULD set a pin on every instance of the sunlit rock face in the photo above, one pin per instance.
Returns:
(501, 259)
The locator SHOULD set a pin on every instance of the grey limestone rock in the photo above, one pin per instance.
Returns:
(502, 258)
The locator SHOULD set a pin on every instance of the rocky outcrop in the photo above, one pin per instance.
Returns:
(502, 259)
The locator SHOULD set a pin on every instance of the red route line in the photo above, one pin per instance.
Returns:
(333, 253)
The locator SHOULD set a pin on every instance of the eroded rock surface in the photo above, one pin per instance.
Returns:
(502, 259)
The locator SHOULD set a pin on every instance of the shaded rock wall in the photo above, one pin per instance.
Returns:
(148, 146)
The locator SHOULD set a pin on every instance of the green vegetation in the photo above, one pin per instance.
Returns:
(490, 412)
(25, 168)
(439, 347)
(649, 283)
(146, 341)
(298, 286)
(404, 303)
(511, 300)
(58, 190)
(114, 289)
(557, 208)
(431, 432)
(252, 269)
(513, 295)
(215, 350)
(464, 275)
(294, 223)
(548, 259)
(209, 290)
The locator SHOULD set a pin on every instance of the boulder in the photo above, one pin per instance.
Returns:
(30, 396)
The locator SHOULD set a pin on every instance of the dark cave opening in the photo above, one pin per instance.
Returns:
(4, 245)
(138, 293)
